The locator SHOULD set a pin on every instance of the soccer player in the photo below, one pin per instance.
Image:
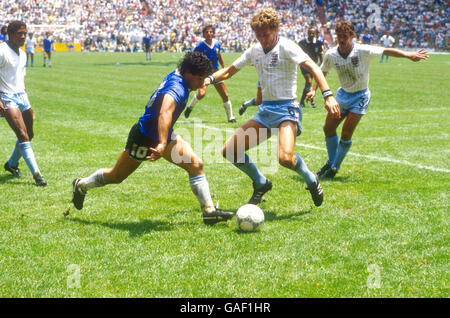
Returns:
(152, 137)
(352, 61)
(14, 103)
(313, 47)
(3, 34)
(48, 43)
(276, 60)
(387, 40)
(30, 45)
(147, 41)
(367, 38)
(211, 48)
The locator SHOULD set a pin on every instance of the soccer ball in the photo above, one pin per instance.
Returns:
(249, 218)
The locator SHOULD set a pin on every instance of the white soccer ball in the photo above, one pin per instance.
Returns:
(249, 218)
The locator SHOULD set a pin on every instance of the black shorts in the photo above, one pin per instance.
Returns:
(138, 144)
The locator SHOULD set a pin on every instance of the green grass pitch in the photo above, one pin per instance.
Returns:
(383, 230)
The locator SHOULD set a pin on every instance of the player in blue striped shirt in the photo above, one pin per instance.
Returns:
(211, 48)
(152, 137)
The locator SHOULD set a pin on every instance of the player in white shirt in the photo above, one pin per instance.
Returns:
(276, 60)
(14, 103)
(30, 45)
(387, 40)
(352, 61)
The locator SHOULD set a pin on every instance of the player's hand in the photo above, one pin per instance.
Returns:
(332, 107)
(419, 55)
(310, 95)
(157, 152)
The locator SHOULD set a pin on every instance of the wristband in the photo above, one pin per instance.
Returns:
(211, 79)
(327, 93)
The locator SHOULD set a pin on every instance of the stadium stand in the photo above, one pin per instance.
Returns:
(119, 25)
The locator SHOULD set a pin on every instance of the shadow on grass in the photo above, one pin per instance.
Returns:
(270, 216)
(135, 229)
(10, 179)
(343, 179)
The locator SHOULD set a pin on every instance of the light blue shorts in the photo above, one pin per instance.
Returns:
(272, 113)
(356, 102)
(16, 100)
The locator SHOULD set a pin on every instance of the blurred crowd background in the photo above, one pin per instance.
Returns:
(120, 25)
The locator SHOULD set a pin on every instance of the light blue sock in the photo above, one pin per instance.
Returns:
(332, 145)
(343, 148)
(28, 156)
(248, 167)
(13, 161)
(250, 102)
(301, 168)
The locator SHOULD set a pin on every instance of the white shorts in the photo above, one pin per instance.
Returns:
(16, 100)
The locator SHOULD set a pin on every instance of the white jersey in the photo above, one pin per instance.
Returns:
(30, 44)
(277, 70)
(387, 40)
(12, 70)
(353, 71)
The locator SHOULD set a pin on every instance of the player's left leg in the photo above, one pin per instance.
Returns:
(350, 124)
(16, 120)
(124, 166)
(180, 153)
(222, 90)
(288, 159)
(201, 92)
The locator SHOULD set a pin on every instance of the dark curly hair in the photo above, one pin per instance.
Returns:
(15, 25)
(196, 63)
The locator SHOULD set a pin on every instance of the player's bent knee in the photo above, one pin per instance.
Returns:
(286, 160)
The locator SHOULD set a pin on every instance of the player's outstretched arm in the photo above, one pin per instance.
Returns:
(220, 75)
(413, 56)
(331, 104)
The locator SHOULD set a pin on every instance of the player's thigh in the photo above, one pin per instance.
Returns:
(15, 120)
(248, 135)
(222, 90)
(308, 79)
(124, 166)
(28, 118)
(180, 153)
(348, 128)
(287, 132)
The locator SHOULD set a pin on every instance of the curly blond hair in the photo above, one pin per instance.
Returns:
(345, 26)
(265, 18)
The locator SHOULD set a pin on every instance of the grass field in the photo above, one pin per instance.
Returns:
(383, 230)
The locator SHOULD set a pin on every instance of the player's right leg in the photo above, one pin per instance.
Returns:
(248, 135)
(180, 153)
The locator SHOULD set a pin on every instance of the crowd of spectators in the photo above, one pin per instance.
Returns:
(119, 25)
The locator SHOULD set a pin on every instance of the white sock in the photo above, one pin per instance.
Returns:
(228, 110)
(200, 188)
(193, 101)
(93, 181)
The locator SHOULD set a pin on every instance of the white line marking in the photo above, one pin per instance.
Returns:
(371, 157)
